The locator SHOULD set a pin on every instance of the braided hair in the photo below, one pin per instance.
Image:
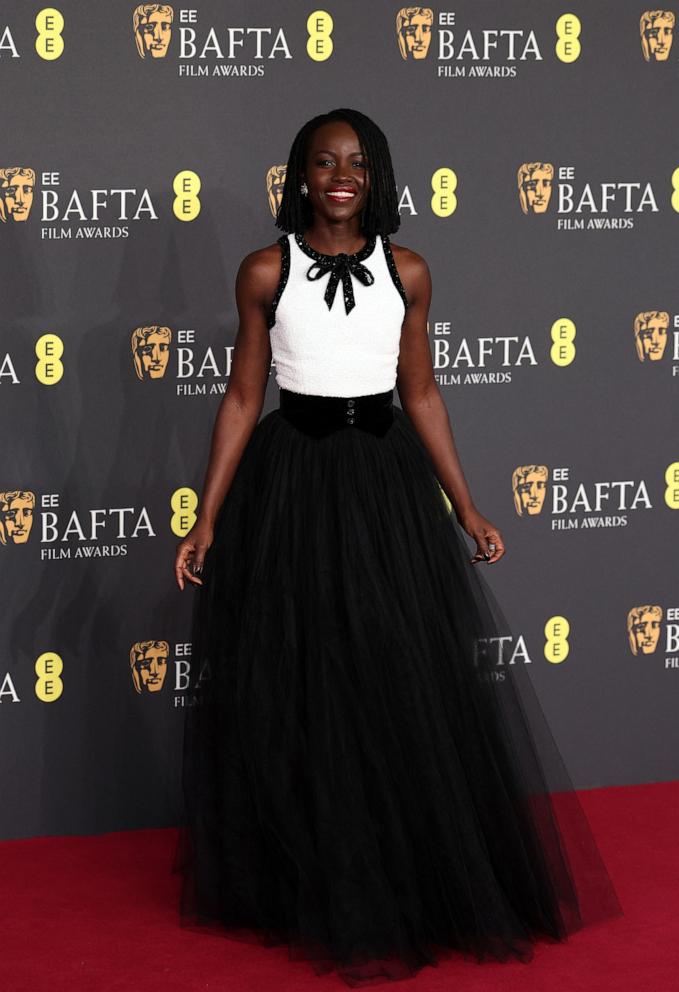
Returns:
(380, 213)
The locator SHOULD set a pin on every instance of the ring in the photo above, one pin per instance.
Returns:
(196, 569)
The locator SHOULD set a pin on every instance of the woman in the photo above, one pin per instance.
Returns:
(361, 773)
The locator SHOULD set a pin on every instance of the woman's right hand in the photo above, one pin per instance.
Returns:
(191, 553)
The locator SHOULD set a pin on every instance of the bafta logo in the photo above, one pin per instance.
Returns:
(650, 334)
(275, 181)
(148, 663)
(535, 186)
(413, 30)
(16, 516)
(16, 194)
(152, 24)
(643, 628)
(657, 30)
(529, 485)
(151, 351)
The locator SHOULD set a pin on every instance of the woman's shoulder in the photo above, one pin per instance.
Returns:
(407, 257)
(412, 269)
(266, 257)
(262, 266)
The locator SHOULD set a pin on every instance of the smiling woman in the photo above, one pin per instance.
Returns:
(346, 196)
(368, 776)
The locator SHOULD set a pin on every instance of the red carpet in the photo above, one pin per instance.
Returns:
(99, 913)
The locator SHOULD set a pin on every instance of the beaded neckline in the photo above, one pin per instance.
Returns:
(367, 249)
(284, 242)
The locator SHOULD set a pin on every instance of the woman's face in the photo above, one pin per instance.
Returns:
(335, 164)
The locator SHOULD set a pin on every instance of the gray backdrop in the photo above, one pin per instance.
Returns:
(87, 570)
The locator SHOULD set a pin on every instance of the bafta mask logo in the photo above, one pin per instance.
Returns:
(16, 516)
(275, 181)
(16, 194)
(650, 334)
(151, 351)
(535, 186)
(148, 663)
(413, 31)
(643, 628)
(529, 485)
(152, 24)
(657, 30)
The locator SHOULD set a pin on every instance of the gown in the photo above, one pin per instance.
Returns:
(367, 777)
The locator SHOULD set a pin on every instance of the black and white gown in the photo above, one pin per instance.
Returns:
(366, 779)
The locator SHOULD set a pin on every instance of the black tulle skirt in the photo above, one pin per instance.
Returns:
(366, 778)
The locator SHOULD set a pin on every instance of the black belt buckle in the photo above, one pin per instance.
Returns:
(319, 416)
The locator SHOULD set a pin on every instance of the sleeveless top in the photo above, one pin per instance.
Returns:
(335, 320)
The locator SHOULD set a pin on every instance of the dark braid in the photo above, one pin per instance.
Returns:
(380, 214)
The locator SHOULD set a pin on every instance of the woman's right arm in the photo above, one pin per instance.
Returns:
(241, 404)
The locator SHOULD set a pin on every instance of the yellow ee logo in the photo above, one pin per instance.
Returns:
(49, 367)
(562, 333)
(186, 187)
(319, 44)
(675, 190)
(568, 28)
(48, 685)
(49, 24)
(557, 630)
(672, 491)
(444, 184)
(184, 503)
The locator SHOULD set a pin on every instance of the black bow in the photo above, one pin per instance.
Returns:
(340, 267)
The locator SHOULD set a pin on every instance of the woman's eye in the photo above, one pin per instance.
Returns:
(326, 160)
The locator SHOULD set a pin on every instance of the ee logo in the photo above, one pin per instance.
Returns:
(557, 647)
(48, 685)
(49, 24)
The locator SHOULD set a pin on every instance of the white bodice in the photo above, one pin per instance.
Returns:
(329, 352)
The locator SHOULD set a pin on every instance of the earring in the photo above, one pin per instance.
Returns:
(304, 189)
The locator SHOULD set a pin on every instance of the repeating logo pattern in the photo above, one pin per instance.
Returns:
(138, 507)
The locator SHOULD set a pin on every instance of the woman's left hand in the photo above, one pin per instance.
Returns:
(489, 543)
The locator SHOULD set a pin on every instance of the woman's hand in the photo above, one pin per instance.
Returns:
(489, 543)
(191, 553)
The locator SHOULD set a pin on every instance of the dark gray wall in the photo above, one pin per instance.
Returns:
(102, 756)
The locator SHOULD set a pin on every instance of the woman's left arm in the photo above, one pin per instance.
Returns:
(422, 401)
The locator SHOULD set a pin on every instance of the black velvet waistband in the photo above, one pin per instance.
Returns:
(321, 415)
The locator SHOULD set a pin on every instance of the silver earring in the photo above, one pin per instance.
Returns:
(304, 189)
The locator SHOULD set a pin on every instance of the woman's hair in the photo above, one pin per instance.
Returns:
(380, 213)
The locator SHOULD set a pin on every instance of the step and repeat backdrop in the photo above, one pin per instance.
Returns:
(144, 155)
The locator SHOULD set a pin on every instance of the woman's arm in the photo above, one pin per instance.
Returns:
(243, 400)
(241, 404)
(421, 399)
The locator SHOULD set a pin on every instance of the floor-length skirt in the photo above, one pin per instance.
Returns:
(366, 776)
